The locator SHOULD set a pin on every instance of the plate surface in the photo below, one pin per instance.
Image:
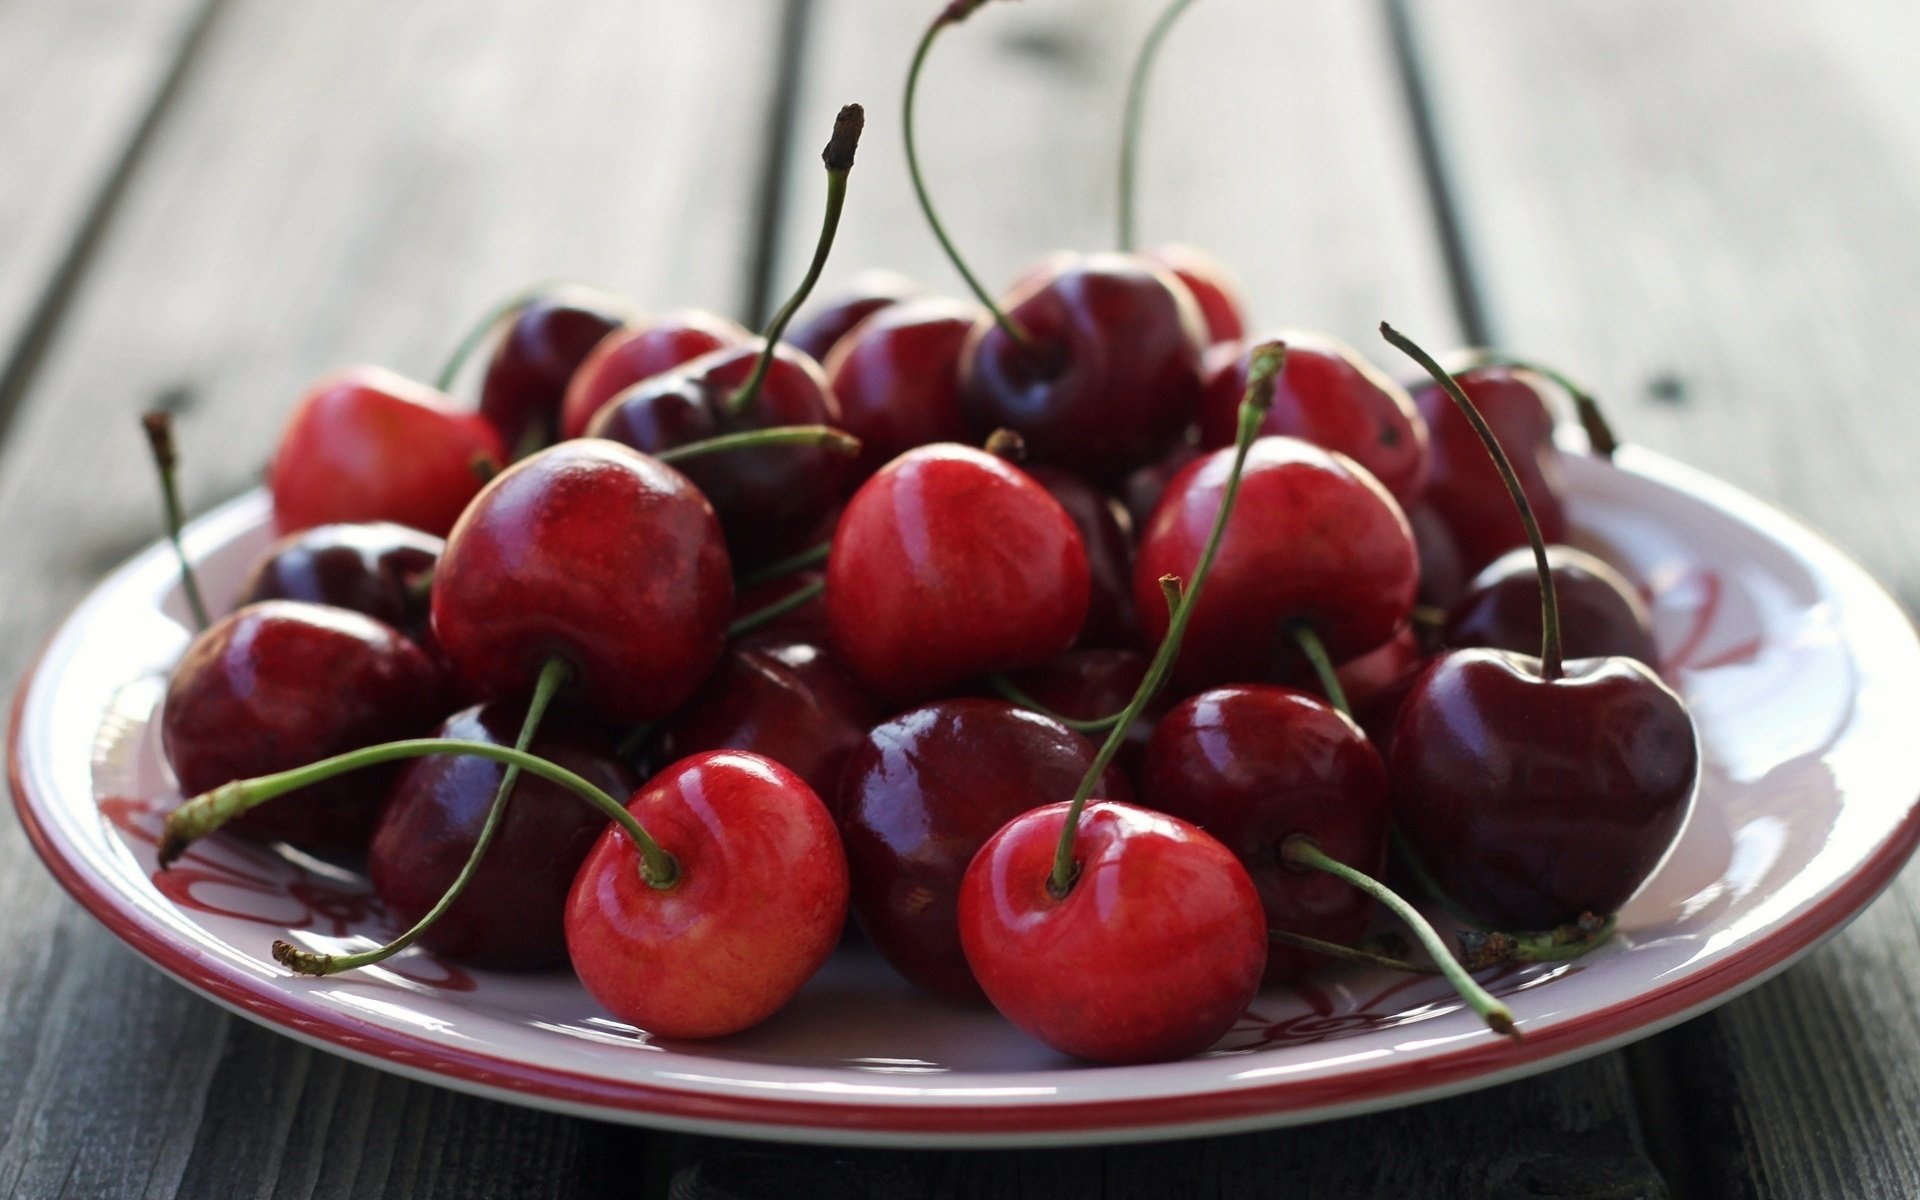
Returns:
(1802, 673)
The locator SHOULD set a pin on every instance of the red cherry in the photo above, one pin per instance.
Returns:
(1145, 486)
(1328, 395)
(595, 554)
(1107, 533)
(626, 356)
(757, 904)
(365, 444)
(920, 795)
(1601, 614)
(1463, 487)
(281, 683)
(1256, 765)
(1315, 540)
(1443, 576)
(510, 916)
(897, 378)
(1213, 287)
(872, 292)
(1091, 685)
(543, 346)
(1377, 683)
(949, 564)
(1153, 954)
(381, 570)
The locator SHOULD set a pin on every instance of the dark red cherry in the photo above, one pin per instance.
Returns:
(1377, 683)
(1443, 574)
(1089, 685)
(511, 915)
(279, 684)
(1328, 395)
(763, 496)
(1213, 287)
(897, 378)
(381, 570)
(1315, 540)
(596, 554)
(808, 622)
(782, 698)
(1601, 614)
(1107, 532)
(949, 564)
(1464, 489)
(365, 444)
(1111, 377)
(817, 333)
(1145, 486)
(543, 346)
(920, 795)
(1255, 765)
(648, 347)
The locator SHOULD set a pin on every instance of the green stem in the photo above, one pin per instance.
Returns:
(779, 608)
(1600, 435)
(1301, 941)
(838, 157)
(953, 14)
(1301, 851)
(1485, 949)
(306, 962)
(813, 556)
(824, 436)
(1551, 667)
(1012, 691)
(1316, 651)
(159, 427)
(1264, 366)
(478, 333)
(1135, 115)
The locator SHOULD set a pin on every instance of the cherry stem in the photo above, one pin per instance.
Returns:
(953, 14)
(210, 810)
(1551, 667)
(1263, 368)
(780, 568)
(1600, 435)
(779, 608)
(1136, 112)
(838, 157)
(826, 437)
(1301, 851)
(159, 427)
(306, 962)
(1352, 954)
(482, 329)
(1012, 691)
(1316, 651)
(1482, 948)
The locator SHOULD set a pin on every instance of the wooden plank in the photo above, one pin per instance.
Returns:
(1707, 211)
(338, 182)
(1278, 140)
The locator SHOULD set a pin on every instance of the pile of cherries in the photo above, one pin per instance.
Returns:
(1107, 723)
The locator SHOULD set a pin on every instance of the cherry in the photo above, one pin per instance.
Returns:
(1107, 533)
(1601, 614)
(511, 914)
(1443, 575)
(897, 378)
(781, 697)
(796, 594)
(1146, 485)
(1084, 689)
(1377, 683)
(526, 380)
(365, 444)
(872, 292)
(279, 683)
(1213, 288)
(756, 903)
(649, 347)
(1331, 397)
(381, 569)
(920, 795)
(947, 564)
(1534, 792)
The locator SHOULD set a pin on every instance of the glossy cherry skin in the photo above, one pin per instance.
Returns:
(511, 915)
(648, 347)
(1213, 288)
(1532, 802)
(817, 333)
(1601, 613)
(365, 444)
(1377, 683)
(1464, 487)
(1114, 374)
(1107, 533)
(381, 570)
(758, 904)
(1086, 685)
(597, 554)
(1314, 539)
(1152, 954)
(1330, 396)
(949, 564)
(1255, 765)
(897, 378)
(764, 496)
(920, 795)
(280, 684)
(544, 345)
(782, 698)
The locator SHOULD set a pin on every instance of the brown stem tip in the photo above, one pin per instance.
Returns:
(1007, 445)
(846, 138)
(159, 427)
(170, 848)
(958, 11)
(300, 962)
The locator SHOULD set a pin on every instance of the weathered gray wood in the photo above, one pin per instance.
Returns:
(1708, 211)
(338, 182)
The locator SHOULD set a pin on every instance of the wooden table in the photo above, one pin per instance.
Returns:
(1710, 210)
